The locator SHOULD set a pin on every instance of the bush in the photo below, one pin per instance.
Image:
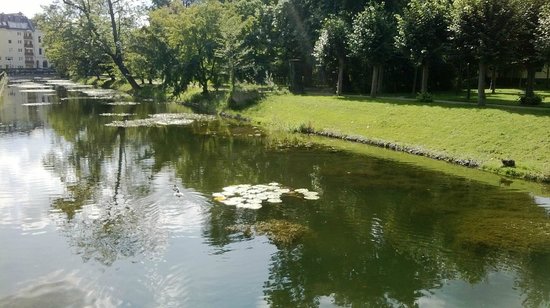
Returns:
(305, 128)
(204, 103)
(243, 98)
(531, 100)
(424, 97)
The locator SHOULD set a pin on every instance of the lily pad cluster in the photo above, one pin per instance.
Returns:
(163, 119)
(117, 114)
(253, 196)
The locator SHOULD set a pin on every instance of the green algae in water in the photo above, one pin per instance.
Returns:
(282, 233)
(505, 230)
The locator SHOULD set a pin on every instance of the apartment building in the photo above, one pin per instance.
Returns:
(21, 44)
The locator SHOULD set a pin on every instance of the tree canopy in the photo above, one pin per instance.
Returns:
(352, 44)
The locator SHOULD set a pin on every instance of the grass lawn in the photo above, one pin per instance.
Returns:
(501, 96)
(485, 135)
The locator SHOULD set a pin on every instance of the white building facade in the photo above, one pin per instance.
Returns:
(21, 44)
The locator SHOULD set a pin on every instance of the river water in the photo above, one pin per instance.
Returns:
(90, 215)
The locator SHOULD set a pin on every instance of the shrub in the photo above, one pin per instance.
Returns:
(243, 98)
(531, 100)
(424, 97)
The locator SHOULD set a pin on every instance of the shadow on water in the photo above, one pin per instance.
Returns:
(382, 234)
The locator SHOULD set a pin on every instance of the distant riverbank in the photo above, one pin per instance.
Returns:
(458, 133)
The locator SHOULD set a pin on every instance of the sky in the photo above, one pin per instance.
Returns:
(27, 7)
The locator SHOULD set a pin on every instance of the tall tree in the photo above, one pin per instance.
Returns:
(331, 47)
(487, 30)
(528, 52)
(194, 36)
(372, 39)
(422, 33)
(233, 51)
(67, 45)
(543, 39)
(107, 22)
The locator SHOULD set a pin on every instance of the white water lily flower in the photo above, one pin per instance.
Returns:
(302, 190)
(252, 206)
(311, 197)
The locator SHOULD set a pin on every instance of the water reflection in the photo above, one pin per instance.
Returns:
(58, 289)
(383, 234)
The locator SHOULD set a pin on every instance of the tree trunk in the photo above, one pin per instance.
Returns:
(125, 72)
(493, 80)
(548, 76)
(204, 87)
(380, 82)
(530, 84)
(118, 55)
(415, 80)
(425, 72)
(468, 77)
(232, 79)
(339, 85)
(481, 84)
(374, 84)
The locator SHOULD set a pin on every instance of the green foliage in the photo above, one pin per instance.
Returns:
(332, 42)
(485, 29)
(424, 97)
(94, 30)
(530, 100)
(422, 30)
(372, 36)
(193, 35)
(233, 51)
(530, 32)
(242, 98)
(543, 32)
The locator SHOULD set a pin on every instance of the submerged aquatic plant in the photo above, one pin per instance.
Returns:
(280, 232)
(253, 196)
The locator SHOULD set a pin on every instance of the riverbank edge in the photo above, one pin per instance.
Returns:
(408, 149)
(458, 159)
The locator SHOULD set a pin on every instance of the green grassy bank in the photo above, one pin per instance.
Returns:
(462, 132)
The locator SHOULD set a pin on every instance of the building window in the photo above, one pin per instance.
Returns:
(19, 41)
(9, 41)
(45, 64)
(20, 58)
(39, 51)
(39, 39)
(18, 33)
(20, 50)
